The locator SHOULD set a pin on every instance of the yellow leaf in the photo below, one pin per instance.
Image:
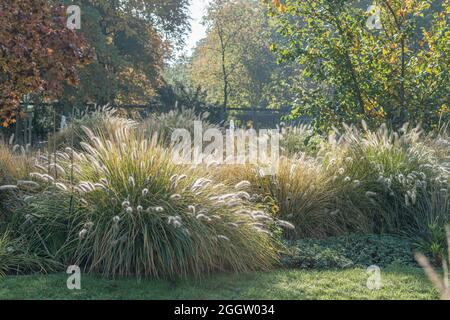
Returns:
(279, 6)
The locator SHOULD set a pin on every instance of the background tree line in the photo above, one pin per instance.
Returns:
(117, 56)
(233, 64)
(321, 59)
(317, 57)
(351, 72)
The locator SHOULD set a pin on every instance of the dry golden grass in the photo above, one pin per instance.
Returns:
(302, 193)
(140, 214)
(13, 166)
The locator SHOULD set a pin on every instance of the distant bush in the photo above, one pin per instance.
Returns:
(164, 124)
(350, 251)
(300, 139)
(103, 122)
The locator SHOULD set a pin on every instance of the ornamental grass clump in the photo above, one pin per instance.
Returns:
(427, 229)
(15, 166)
(363, 181)
(15, 163)
(16, 259)
(383, 178)
(103, 121)
(305, 197)
(164, 124)
(298, 192)
(300, 139)
(130, 211)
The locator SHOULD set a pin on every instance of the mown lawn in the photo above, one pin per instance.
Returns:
(398, 283)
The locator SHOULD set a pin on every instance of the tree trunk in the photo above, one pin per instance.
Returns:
(403, 111)
(225, 80)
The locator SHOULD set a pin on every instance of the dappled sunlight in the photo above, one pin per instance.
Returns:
(224, 149)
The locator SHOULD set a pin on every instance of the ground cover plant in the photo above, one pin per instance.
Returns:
(350, 251)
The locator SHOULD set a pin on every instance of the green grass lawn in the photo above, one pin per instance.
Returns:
(398, 283)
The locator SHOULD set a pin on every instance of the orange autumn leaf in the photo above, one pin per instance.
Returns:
(279, 6)
(57, 53)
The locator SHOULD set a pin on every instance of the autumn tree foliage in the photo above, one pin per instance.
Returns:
(132, 40)
(396, 73)
(38, 53)
(234, 63)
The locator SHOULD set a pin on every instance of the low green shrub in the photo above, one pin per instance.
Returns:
(300, 139)
(441, 283)
(349, 251)
(432, 242)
